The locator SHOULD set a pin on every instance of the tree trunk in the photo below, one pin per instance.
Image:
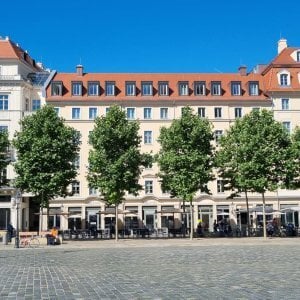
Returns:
(248, 213)
(264, 216)
(192, 220)
(184, 218)
(116, 224)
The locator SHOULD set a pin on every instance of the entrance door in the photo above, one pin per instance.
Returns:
(205, 214)
(149, 217)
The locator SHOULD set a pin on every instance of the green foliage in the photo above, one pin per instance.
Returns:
(253, 154)
(115, 160)
(46, 150)
(4, 155)
(186, 155)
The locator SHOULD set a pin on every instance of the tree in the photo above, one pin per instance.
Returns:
(253, 155)
(186, 157)
(4, 156)
(46, 150)
(115, 161)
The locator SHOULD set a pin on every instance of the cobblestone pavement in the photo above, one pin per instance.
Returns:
(154, 269)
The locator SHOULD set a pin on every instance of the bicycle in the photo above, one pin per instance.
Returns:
(30, 242)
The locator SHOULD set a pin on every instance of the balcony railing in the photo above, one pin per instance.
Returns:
(11, 77)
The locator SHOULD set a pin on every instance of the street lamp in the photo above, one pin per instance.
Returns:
(18, 200)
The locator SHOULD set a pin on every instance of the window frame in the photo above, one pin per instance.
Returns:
(149, 187)
(216, 88)
(218, 112)
(110, 88)
(93, 116)
(220, 186)
(75, 188)
(163, 88)
(132, 109)
(4, 102)
(36, 104)
(201, 112)
(285, 103)
(253, 88)
(217, 135)
(183, 88)
(76, 116)
(148, 137)
(200, 86)
(128, 86)
(94, 85)
(144, 86)
(238, 112)
(236, 88)
(76, 85)
(56, 86)
(164, 113)
(146, 115)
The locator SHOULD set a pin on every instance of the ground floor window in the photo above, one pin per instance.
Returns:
(4, 218)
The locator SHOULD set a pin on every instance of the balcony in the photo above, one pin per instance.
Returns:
(10, 77)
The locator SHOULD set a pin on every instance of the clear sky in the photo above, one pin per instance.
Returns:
(151, 36)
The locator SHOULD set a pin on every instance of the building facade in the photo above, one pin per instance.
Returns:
(21, 82)
(155, 100)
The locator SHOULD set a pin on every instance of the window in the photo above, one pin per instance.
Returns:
(253, 88)
(235, 88)
(56, 88)
(183, 88)
(216, 88)
(148, 187)
(218, 134)
(220, 186)
(3, 102)
(287, 126)
(93, 88)
(130, 113)
(3, 128)
(255, 109)
(201, 112)
(130, 88)
(36, 104)
(284, 79)
(218, 112)
(147, 137)
(298, 56)
(77, 88)
(164, 113)
(77, 162)
(146, 88)
(110, 88)
(199, 88)
(147, 113)
(163, 88)
(93, 191)
(75, 113)
(107, 110)
(75, 188)
(284, 104)
(238, 112)
(149, 166)
(92, 113)
(26, 104)
(56, 110)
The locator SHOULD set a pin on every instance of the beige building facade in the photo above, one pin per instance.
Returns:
(155, 100)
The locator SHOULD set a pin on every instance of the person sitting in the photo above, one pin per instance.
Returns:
(52, 238)
(10, 232)
(270, 229)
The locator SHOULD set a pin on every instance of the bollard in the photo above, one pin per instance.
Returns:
(4, 238)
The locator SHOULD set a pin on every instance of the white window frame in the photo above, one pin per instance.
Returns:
(149, 187)
(77, 88)
(147, 113)
(163, 88)
(75, 188)
(287, 126)
(147, 88)
(130, 88)
(236, 89)
(218, 112)
(238, 112)
(56, 88)
(110, 88)
(201, 112)
(164, 113)
(253, 88)
(220, 186)
(36, 104)
(93, 111)
(148, 137)
(199, 88)
(218, 134)
(3, 102)
(75, 113)
(183, 88)
(130, 113)
(93, 88)
(216, 88)
(285, 104)
(284, 78)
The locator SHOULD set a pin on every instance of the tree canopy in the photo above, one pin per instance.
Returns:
(46, 150)
(253, 154)
(115, 161)
(185, 158)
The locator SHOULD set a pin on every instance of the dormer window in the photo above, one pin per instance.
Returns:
(77, 88)
(235, 88)
(216, 88)
(298, 56)
(284, 78)
(130, 88)
(183, 88)
(199, 88)
(253, 88)
(163, 88)
(56, 88)
(110, 88)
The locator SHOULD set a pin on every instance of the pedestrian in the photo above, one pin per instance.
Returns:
(10, 232)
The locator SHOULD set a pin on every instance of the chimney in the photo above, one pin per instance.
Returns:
(79, 70)
(282, 44)
(243, 70)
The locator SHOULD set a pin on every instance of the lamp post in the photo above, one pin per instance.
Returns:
(18, 200)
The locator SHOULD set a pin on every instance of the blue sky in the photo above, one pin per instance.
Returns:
(151, 36)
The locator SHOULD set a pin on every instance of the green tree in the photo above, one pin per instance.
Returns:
(46, 150)
(4, 156)
(253, 155)
(186, 157)
(115, 161)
